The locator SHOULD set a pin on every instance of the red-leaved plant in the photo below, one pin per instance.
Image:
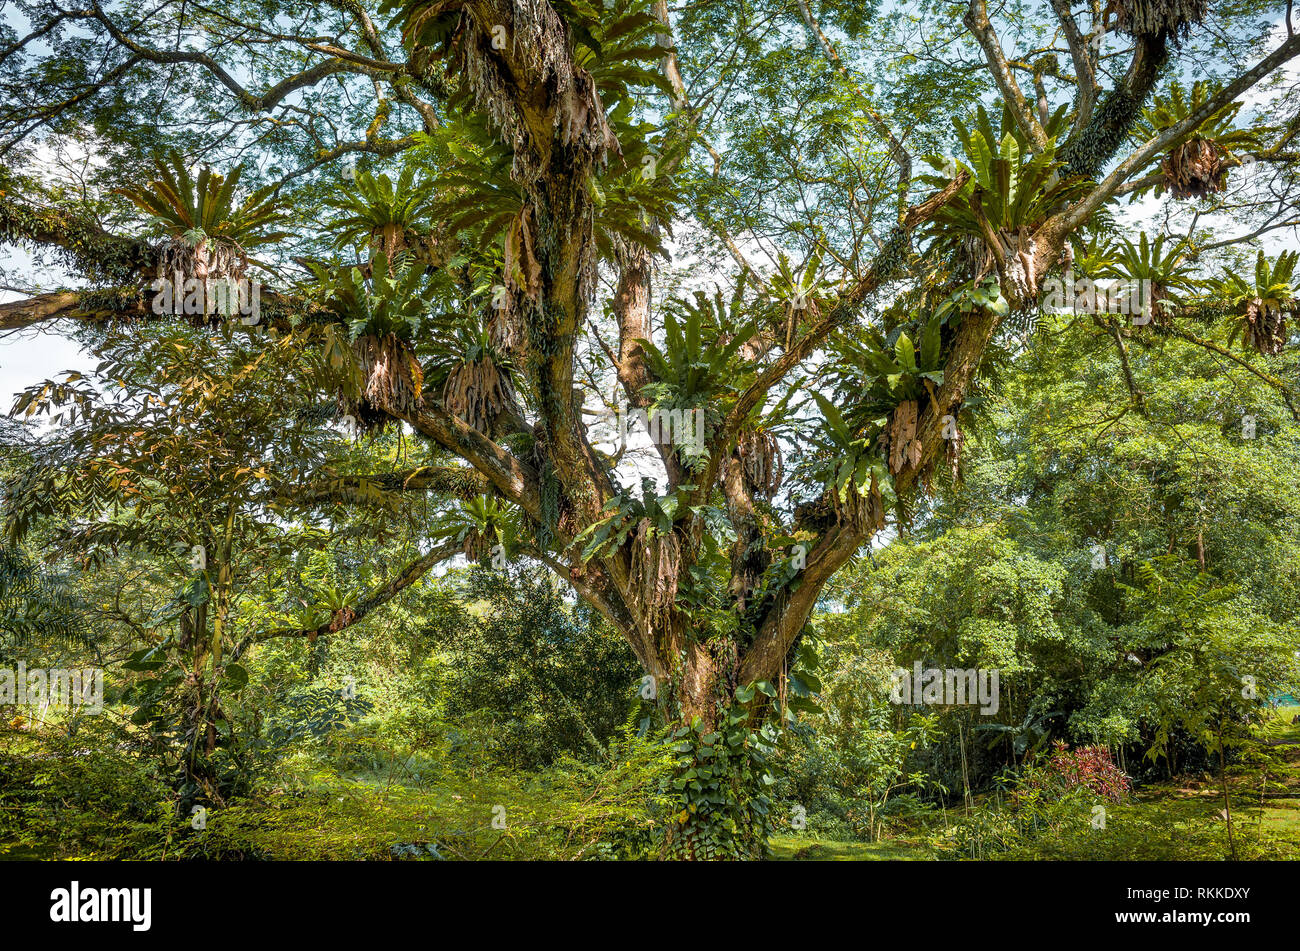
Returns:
(1088, 766)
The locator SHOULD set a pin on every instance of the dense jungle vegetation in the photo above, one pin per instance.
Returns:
(558, 429)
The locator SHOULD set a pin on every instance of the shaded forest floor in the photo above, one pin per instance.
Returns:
(311, 814)
(1268, 804)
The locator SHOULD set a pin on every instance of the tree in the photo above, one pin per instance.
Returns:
(911, 287)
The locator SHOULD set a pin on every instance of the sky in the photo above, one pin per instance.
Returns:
(30, 356)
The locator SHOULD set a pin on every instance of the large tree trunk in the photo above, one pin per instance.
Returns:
(721, 745)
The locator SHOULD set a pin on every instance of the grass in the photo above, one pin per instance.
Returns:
(313, 812)
(1183, 810)
(802, 848)
(1282, 817)
(1280, 729)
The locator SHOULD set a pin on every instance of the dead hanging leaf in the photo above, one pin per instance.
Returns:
(217, 265)
(953, 453)
(477, 393)
(656, 565)
(762, 466)
(390, 240)
(503, 325)
(864, 511)
(902, 434)
(1195, 168)
(472, 547)
(1265, 327)
(581, 118)
(391, 375)
(342, 618)
(522, 268)
(573, 114)
(435, 248)
(1155, 17)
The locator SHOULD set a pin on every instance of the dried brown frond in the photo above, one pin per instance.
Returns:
(1169, 18)
(390, 374)
(762, 466)
(211, 259)
(1195, 168)
(899, 438)
(477, 393)
(863, 511)
(656, 565)
(389, 240)
(1265, 326)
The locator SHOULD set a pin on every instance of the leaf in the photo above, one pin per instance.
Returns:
(906, 352)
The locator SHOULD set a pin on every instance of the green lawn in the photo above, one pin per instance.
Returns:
(1280, 728)
(806, 848)
(1282, 816)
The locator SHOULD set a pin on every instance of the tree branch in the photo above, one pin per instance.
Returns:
(345, 617)
(977, 21)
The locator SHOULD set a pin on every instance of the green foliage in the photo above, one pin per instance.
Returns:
(720, 784)
(454, 340)
(1169, 274)
(482, 526)
(86, 794)
(498, 691)
(1011, 185)
(377, 304)
(697, 364)
(474, 191)
(376, 206)
(857, 765)
(623, 516)
(1027, 821)
(37, 603)
(200, 208)
(696, 373)
(103, 258)
(530, 679)
(847, 462)
(1214, 678)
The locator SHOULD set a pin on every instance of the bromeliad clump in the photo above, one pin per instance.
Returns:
(1196, 168)
(381, 313)
(1262, 309)
(483, 527)
(475, 375)
(1012, 190)
(389, 219)
(1199, 165)
(207, 238)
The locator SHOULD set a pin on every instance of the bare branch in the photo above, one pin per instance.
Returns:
(977, 21)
